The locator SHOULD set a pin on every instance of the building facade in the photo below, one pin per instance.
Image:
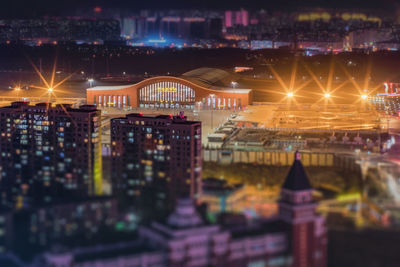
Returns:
(49, 150)
(158, 153)
(305, 229)
(59, 223)
(295, 238)
(201, 88)
(388, 101)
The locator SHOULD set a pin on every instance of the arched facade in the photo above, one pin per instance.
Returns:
(168, 92)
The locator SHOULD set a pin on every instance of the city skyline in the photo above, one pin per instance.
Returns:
(199, 133)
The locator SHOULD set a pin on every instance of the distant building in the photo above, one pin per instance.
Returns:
(52, 30)
(238, 17)
(133, 27)
(203, 88)
(296, 238)
(370, 38)
(157, 153)
(48, 151)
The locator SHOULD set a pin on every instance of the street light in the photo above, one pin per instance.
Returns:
(212, 110)
(327, 95)
(364, 96)
(50, 90)
(290, 94)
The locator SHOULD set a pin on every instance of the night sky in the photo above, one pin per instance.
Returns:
(32, 8)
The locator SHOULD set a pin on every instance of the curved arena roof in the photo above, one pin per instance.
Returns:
(210, 77)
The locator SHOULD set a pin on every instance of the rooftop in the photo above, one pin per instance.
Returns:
(107, 87)
(270, 226)
(209, 77)
(297, 179)
(49, 106)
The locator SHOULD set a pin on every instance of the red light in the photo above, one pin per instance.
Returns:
(170, 116)
(97, 9)
(140, 113)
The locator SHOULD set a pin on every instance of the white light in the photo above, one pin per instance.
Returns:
(50, 90)
(90, 80)
(327, 95)
(364, 96)
(290, 94)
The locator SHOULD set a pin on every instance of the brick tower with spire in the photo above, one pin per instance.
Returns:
(306, 229)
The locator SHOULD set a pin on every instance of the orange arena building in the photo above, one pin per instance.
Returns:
(202, 88)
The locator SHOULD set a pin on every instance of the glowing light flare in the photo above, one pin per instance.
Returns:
(330, 75)
(327, 95)
(38, 73)
(314, 77)
(290, 94)
(364, 96)
(53, 73)
(368, 73)
(278, 78)
(293, 75)
(350, 78)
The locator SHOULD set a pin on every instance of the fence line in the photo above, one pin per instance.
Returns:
(280, 158)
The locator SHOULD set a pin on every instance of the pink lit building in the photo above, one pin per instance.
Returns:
(239, 17)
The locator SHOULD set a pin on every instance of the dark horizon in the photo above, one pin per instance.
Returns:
(34, 9)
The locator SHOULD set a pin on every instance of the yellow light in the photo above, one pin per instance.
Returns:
(364, 97)
(17, 88)
(50, 90)
(290, 94)
(327, 95)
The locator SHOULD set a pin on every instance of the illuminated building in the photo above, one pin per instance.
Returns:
(133, 27)
(295, 238)
(161, 154)
(369, 38)
(307, 231)
(197, 88)
(389, 101)
(46, 150)
(239, 17)
(228, 18)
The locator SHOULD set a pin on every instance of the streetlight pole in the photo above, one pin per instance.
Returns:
(212, 116)
(212, 111)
